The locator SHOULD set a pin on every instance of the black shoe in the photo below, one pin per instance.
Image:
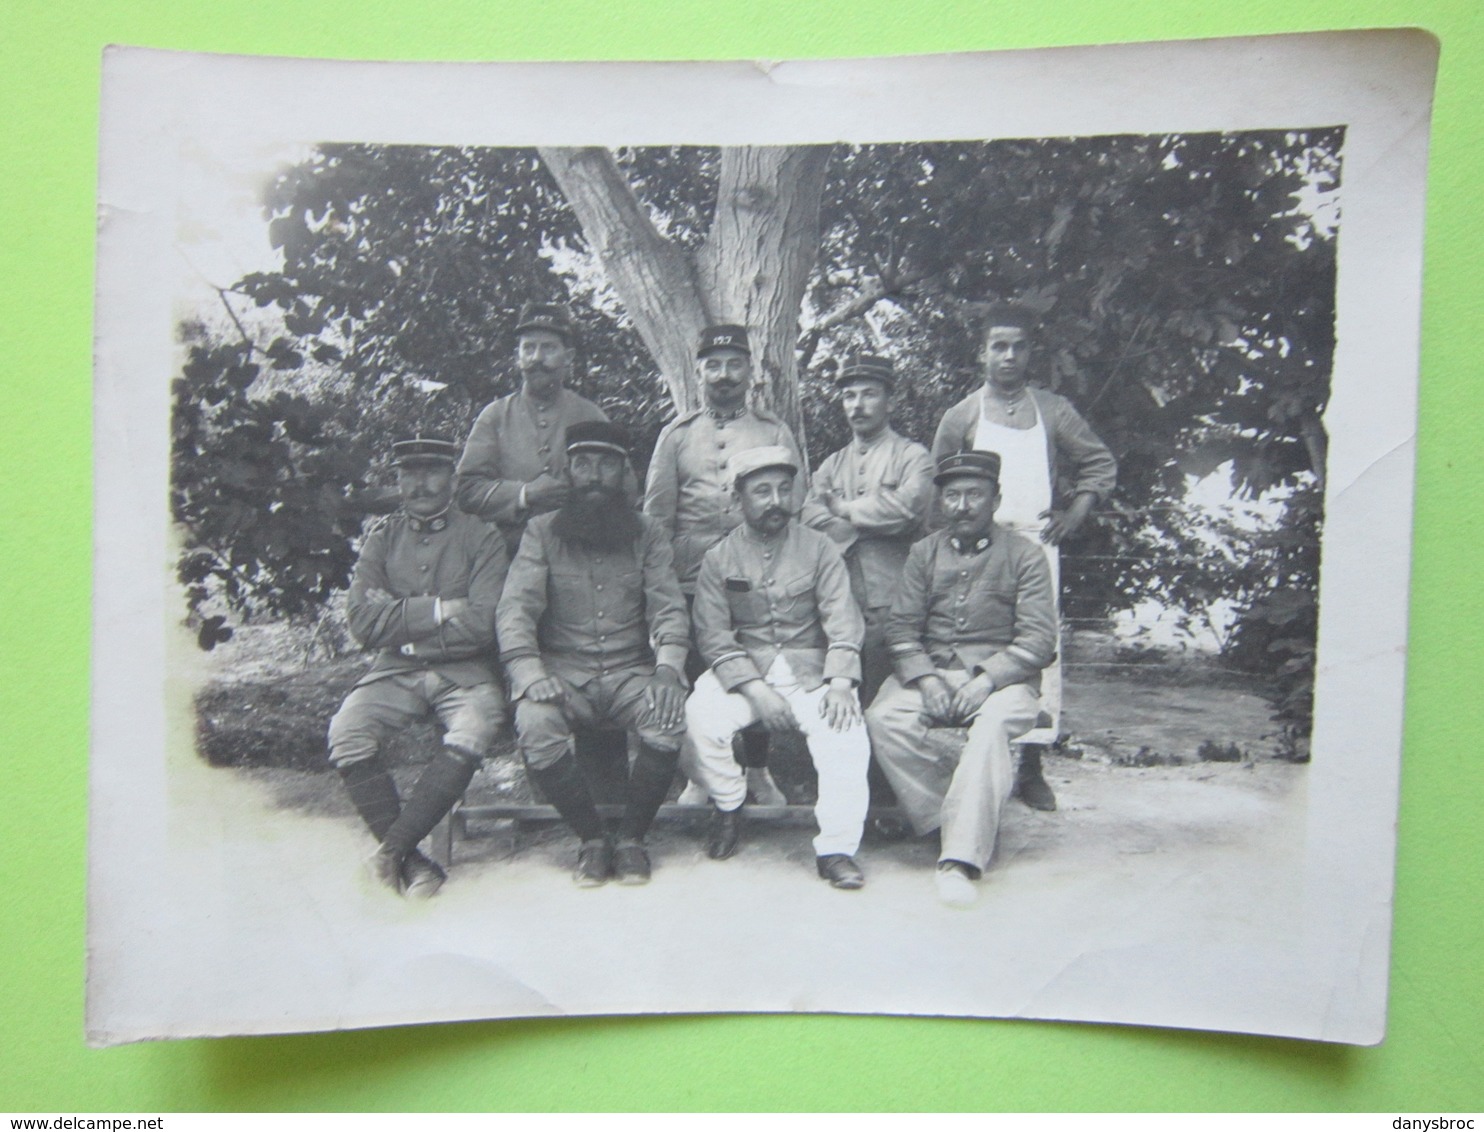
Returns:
(840, 870)
(594, 864)
(1031, 786)
(726, 834)
(422, 878)
(630, 863)
(385, 867)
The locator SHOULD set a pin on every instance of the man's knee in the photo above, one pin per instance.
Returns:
(1010, 712)
(661, 740)
(475, 726)
(543, 732)
(895, 708)
(354, 736)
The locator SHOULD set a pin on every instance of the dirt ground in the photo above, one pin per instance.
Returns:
(1156, 893)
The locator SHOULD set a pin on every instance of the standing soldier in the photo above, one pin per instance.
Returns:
(689, 490)
(423, 595)
(972, 626)
(1055, 471)
(781, 632)
(514, 464)
(593, 632)
(878, 490)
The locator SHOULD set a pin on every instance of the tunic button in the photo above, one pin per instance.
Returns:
(860, 491)
(600, 613)
(423, 567)
(426, 541)
(600, 587)
(545, 448)
(601, 639)
(541, 423)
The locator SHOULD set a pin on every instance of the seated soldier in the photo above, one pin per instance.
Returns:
(777, 624)
(973, 624)
(593, 632)
(423, 594)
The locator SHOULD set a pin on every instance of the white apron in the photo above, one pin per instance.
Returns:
(1025, 496)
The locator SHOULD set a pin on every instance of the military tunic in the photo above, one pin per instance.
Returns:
(599, 620)
(405, 567)
(885, 489)
(962, 610)
(779, 610)
(516, 440)
(689, 490)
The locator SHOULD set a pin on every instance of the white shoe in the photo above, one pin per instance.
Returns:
(954, 886)
(763, 789)
(694, 794)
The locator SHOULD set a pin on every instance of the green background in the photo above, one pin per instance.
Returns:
(48, 114)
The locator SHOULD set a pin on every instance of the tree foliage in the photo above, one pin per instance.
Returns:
(1185, 283)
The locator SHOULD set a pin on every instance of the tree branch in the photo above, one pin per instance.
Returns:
(221, 293)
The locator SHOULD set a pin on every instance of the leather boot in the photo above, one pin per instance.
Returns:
(726, 834)
(1031, 786)
(566, 789)
(649, 781)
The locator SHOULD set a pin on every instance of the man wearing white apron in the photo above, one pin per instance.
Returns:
(1055, 470)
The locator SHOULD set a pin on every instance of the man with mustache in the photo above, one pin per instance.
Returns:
(972, 626)
(514, 464)
(778, 626)
(877, 490)
(689, 488)
(593, 632)
(423, 595)
(1056, 470)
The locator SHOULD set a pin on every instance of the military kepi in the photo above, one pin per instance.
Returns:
(867, 367)
(597, 436)
(546, 316)
(727, 336)
(424, 450)
(768, 456)
(977, 462)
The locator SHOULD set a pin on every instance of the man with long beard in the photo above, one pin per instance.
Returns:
(593, 633)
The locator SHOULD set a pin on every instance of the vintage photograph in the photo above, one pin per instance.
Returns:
(846, 573)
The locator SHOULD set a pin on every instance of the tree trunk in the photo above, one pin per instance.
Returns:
(654, 278)
(755, 264)
(752, 270)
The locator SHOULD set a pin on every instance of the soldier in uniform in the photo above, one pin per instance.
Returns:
(877, 492)
(423, 596)
(593, 632)
(514, 464)
(781, 632)
(1055, 471)
(972, 626)
(689, 489)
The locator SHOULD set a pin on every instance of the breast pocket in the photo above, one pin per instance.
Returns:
(996, 608)
(795, 601)
(748, 607)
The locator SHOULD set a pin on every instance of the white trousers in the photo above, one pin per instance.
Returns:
(713, 715)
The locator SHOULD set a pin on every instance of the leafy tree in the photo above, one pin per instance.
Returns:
(1186, 286)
